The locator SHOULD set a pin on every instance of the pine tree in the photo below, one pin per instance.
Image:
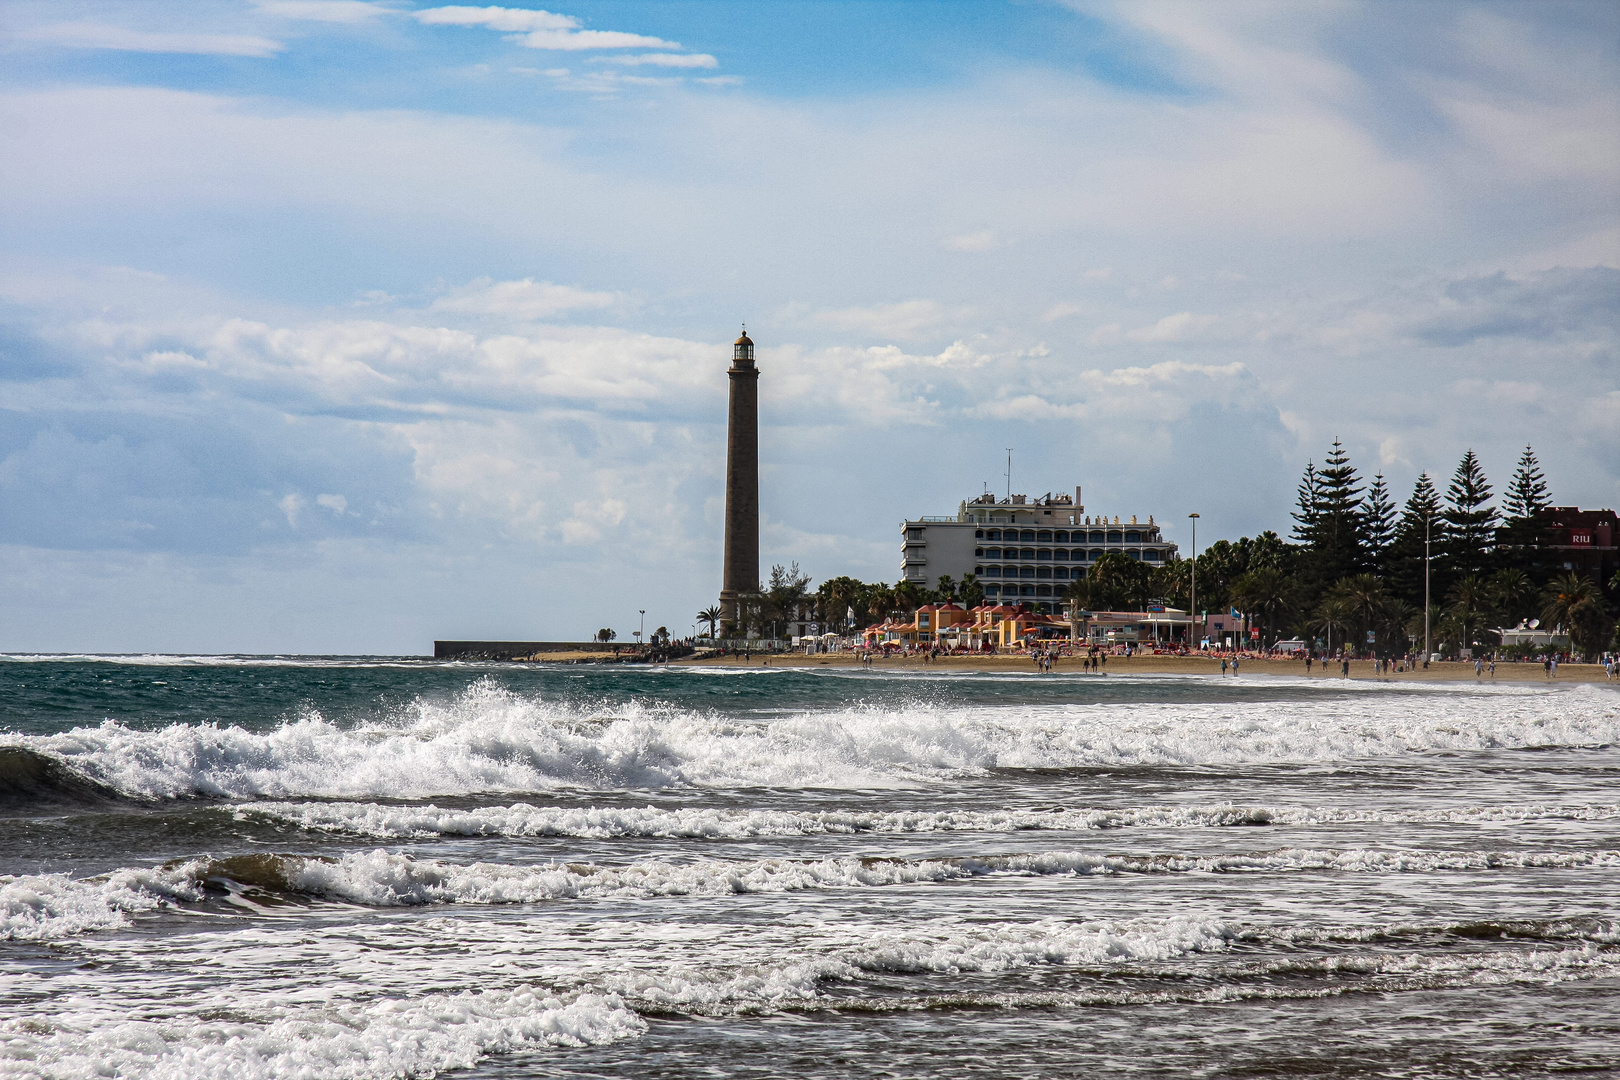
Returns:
(1306, 517)
(1338, 547)
(1522, 534)
(1403, 562)
(1377, 524)
(1526, 494)
(1470, 522)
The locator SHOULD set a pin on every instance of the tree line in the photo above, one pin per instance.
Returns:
(1350, 574)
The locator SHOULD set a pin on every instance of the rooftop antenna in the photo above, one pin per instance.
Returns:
(1009, 473)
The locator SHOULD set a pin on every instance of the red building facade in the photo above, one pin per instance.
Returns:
(1583, 541)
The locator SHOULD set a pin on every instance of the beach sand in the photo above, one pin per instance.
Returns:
(1441, 671)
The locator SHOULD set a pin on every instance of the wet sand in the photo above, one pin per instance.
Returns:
(1441, 671)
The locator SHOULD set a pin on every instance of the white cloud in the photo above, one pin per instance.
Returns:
(674, 60)
(514, 20)
(525, 299)
(1061, 311)
(292, 505)
(1178, 327)
(537, 29)
(328, 11)
(93, 35)
(907, 320)
(578, 40)
(335, 503)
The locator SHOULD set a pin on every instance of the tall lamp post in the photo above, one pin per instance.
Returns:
(1194, 601)
(1426, 519)
(641, 635)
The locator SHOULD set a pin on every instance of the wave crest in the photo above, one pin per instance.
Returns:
(488, 739)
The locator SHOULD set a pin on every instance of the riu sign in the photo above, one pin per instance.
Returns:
(1580, 539)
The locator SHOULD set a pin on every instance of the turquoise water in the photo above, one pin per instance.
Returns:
(355, 867)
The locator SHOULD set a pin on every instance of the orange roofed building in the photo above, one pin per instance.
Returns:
(951, 626)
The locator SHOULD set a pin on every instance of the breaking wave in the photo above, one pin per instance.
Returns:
(46, 906)
(380, 821)
(393, 1037)
(488, 739)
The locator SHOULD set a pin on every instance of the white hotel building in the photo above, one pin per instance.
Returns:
(1023, 550)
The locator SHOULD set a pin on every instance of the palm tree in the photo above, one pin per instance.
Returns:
(1469, 608)
(1267, 593)
(1414, 624)
(1512, 594)
(1391, 629)
(605, 635)
(1335, 613)
(1576, 604)
(711, 615)
(970, 593)
(1361, 601)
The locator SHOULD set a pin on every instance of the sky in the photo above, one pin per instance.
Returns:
(339, 326)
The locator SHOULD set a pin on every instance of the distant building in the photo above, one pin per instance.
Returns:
(1583, 541)
(1023, 550)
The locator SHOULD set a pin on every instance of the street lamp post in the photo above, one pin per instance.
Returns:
(1193, 602)
(641, 635)
(1426, 519)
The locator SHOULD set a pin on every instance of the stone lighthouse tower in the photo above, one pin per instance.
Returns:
(741, 576)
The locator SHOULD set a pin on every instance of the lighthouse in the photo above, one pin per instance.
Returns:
(741, 575)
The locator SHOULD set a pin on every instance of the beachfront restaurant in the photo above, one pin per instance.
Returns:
(1156, 626)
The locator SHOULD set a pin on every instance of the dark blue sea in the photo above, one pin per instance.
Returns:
(253, 867)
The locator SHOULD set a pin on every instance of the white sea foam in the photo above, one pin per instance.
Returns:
(394, 1037)
(53, 906)
(525, 819)
(35, 907)
(489, 739)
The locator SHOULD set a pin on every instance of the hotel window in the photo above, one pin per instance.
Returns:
(1045, 555)
(1152, 556)
(1027, 534)
(978, 534)
(1028, 590)
(1116, 538)
(1061, 537)
(1061, 573)
(1045, 537)
(992, 571)
(1098, 538)
(1026, 553)
(1060, 555)
(1028, 571)
(992, 590)
(1043, 571)
(1043, 590)
(993, 534)
(992, 553)
(978, 571)
(978, 553)
(1133, 538)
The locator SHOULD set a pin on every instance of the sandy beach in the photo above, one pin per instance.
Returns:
(1442, 671)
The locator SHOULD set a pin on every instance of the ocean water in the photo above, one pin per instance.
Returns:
(337, 867)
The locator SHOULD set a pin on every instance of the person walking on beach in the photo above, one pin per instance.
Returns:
(1493, 665)
(1223, 667)
(1546, 667)
(1346, 667)
(1479, 668)
(1234, 667)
